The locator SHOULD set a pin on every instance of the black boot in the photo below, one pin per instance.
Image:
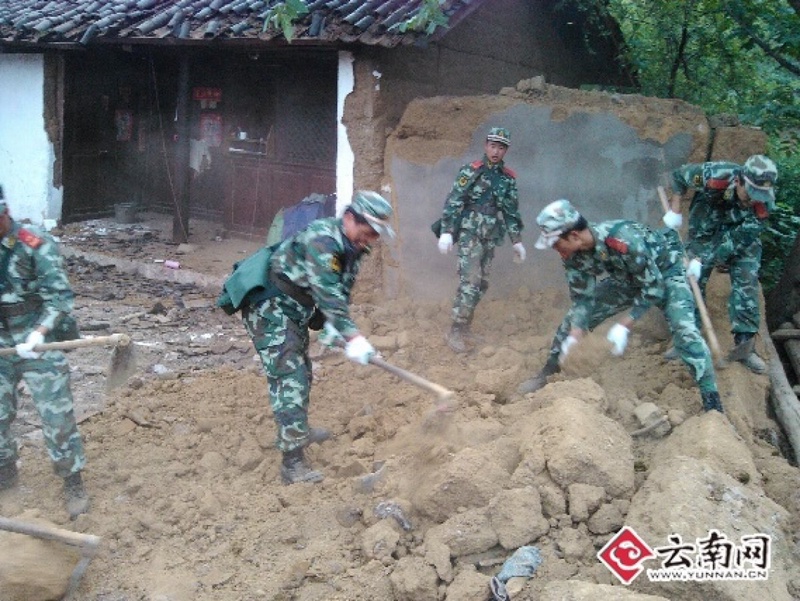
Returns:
(711, 401)
(75, 497)
(295, 469)
(8, 475)
(539, 380)
(456, 338)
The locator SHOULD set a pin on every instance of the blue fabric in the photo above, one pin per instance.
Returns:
(523, 563)
(314, 206)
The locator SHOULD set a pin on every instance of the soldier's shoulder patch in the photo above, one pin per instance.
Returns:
(463, 180)
(510, 172)
(28, 238)
(476, 164)
(717, 183)
(697, 180)
(617, 245)
(336, 264)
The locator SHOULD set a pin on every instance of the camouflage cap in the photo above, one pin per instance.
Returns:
(760, 175)
(555, 219)
(375, 209)
(499, 134)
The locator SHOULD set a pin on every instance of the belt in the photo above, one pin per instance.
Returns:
(292, 290)
(487, 209)
(18, 309)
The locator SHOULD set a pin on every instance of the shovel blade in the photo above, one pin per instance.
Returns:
(122, 366)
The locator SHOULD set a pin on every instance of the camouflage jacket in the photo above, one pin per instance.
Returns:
(484, 199)
(628, 252)
(323, 263)
(715, 209)
(34, 276)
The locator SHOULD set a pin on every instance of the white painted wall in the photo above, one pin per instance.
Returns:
(345, 160)
(26, 154)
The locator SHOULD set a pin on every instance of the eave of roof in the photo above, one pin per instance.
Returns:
(60, 23)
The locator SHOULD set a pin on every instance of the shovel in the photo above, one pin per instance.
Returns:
(88, 544)
(123, 359)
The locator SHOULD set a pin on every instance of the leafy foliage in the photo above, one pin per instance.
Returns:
(726, 56)
(284, 15)
(426, 19)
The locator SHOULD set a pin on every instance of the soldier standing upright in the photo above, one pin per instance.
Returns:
(727, 214)
(482, 206)
(643, 268)
(36, 298)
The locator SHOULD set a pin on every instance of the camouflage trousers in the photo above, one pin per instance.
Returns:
(48, 380)
(475, 257)
(612, 297)
(279, 330)
(743, 257)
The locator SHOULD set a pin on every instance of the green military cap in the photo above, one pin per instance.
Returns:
(760, 175)
(555, 219)
(499, 134)
(375, 209)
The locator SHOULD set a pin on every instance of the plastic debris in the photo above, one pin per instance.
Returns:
(389, 508)
(522, 564)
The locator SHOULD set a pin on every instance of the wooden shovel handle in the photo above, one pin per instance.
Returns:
(88, 543)
(442, 392)
(112, 340)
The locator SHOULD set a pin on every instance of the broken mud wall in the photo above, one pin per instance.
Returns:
(499, 44)
(607, 153)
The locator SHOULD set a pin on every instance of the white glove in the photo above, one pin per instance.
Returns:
(25, 349)
(445, 243)
(618, 336)
(693, 269)
(673, 220)
(519, 252)
(359, 349)
(568, 343)
(330, 336)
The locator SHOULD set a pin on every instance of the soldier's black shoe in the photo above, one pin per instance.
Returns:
(75, 496)
(294, 468)
(456, 338)
(8, 475)
(539, 380)
(711, 401)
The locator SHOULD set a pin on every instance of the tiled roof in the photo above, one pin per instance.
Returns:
(44, 22)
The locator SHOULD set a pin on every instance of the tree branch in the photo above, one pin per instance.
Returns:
(773, 53)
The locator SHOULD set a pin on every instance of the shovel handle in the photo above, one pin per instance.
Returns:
(442, 392)
(88, 543)
(65, 345)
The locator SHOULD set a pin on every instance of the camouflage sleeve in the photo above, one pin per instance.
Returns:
(509, 205)
(52, 283)
(644, 275)
(686, 177)
(330, 294)
(456, 199)
(582, 293)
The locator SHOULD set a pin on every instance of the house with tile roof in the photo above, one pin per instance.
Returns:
(204, 108)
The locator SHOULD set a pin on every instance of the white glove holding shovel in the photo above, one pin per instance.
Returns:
(568, 343)
(694, 269)
(445, 243)
(359, 349)
(25, 349)
(519, 252)
(618, 337)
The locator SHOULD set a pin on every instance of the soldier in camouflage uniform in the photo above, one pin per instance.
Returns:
(481, 208)
(313, 272)
(35, 297)
(727, 214)
(644, 268)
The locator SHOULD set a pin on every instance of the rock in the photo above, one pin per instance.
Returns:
(414, 580)
(584, 500)
(516, 516)
(379, 541)
(465, 533)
